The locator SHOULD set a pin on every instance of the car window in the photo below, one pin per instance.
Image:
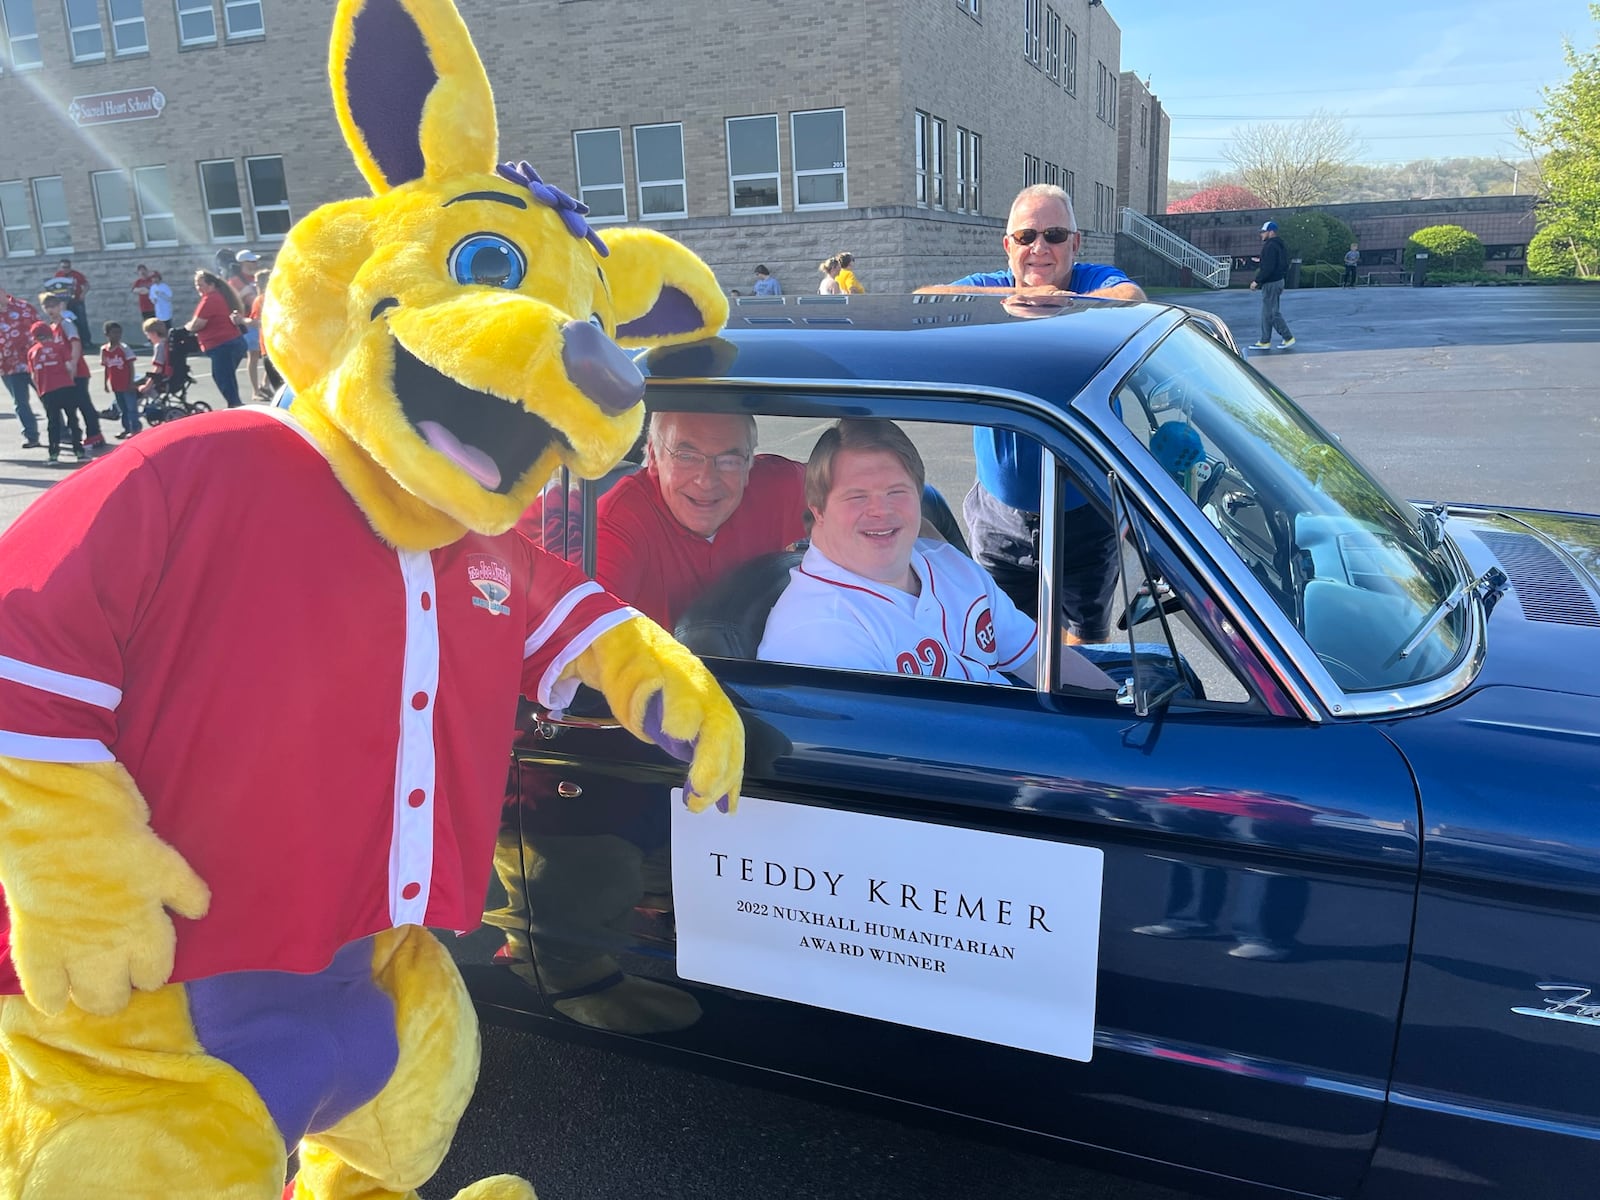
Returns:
(1339, 555)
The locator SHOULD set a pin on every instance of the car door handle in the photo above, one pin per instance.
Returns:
(548, 724)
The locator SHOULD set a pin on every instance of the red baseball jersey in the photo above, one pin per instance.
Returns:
(320, 723)
(118, 363)
(47, 363)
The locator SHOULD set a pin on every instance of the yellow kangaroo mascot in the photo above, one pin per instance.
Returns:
(259, 671)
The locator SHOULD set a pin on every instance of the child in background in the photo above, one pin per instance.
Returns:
(50, 364)
(156, 330)
(116, 362)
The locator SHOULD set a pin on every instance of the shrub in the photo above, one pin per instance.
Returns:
(1315, 237)
(1555, 251)
(1448, 247)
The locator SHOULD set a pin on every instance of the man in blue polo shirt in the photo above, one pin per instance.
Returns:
(1002, 509)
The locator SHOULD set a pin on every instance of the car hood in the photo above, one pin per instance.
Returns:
(1545, 632)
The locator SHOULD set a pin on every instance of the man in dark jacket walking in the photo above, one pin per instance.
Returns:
(1269, 281)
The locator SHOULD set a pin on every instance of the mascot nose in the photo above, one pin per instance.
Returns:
(599, 368)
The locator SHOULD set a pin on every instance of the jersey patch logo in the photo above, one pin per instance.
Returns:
(492, 578)
(929, 658)
(980, 632)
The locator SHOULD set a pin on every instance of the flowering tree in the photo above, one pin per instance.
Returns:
(1220, 198)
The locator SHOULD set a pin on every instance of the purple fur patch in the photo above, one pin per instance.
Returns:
(387, 79)
(673, 312)
(569, 210)
(679, 749)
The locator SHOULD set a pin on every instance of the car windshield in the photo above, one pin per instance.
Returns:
(1344, 559)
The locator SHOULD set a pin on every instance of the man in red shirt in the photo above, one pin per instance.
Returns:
(75, 300)
(141, 289)
(16, 319)
(49, 364)
(705, 503)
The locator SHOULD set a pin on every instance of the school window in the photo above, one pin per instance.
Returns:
(1031, 20)
(658, 163)
(1069, 184)
(937, 160)
(197, 23)
(22, 35)
(154, 197)
(128, 34)
(113, 201)
(1052, 174)
(219, 185)
(1100, 92)
(600, 185)
(1493, 253)
(1052, 44)
(970, 6)
(816, 142)
(1111, 88)
(753, 166)
(50, 201)
(1031, 173)
(930, 161)
(923, 137)
(242, 18)
(269, 195)
(1144, 124)
(16, 219)
(974, 147)
(84, 35)
(1069, 62)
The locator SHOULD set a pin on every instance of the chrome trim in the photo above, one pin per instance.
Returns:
(1046, 617)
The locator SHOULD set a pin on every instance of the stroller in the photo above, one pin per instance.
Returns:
(167, 396)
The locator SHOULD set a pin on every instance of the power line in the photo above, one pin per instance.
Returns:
(1373, 137)
(1383, 116)
(1390, 87)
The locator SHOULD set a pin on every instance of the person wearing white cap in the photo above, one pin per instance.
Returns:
(1269, 280)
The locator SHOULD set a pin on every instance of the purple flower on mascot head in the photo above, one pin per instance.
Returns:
(569, 210)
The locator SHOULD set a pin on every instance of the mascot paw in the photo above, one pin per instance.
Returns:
(665, 695)
(498, 1187)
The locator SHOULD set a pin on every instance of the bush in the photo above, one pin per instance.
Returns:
(1315, 237)
(1555, 251)
(1448, 247)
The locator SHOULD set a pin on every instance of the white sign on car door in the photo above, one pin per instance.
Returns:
(982, 935)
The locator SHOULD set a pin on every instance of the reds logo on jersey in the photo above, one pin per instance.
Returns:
(980, 632)
(929, 658)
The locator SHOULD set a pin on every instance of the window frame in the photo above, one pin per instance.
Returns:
(776, 174)
(586, 190)
(681, 182)
(146, 215)
(212, 210)
(962, 134)
(1069, 185)
(1144, 125)
(257, 208)
(228, 7)
(1069, 60)
(131, 217)
(1052, 44)
(1032, 18)
(974, 176)
(13, 39)
(841, 169)
(8, 223)
(190, 8)
(118, 23)
(74, 30)
(46, 226)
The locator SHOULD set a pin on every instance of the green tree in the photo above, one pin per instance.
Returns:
(1565, 134)
(1315, 237)
(1558, 249)
(1448, 247)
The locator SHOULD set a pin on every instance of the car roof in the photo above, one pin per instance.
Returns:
(943, 339)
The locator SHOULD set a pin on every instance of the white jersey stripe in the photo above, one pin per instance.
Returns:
(556, 693)
(562, 610)
(59, 683)
(411, 836)
(36, 748)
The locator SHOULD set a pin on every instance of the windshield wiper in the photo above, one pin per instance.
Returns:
(1492, 582)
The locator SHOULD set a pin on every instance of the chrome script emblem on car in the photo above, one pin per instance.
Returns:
(1570, 1002)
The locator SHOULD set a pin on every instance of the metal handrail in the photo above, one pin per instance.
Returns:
(1209, 270)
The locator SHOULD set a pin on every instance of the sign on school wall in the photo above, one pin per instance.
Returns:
(977, 934)
(106, 108)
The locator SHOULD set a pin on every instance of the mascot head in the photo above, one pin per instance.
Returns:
(455, 337)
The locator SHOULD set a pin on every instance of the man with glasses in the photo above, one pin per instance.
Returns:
(1002, 509)
(705, 503)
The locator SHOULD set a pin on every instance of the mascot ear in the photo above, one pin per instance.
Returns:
(412, 99)
(661, 292)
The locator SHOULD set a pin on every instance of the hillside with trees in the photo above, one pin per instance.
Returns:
(1425, 179)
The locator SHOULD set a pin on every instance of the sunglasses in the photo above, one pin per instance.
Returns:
(1055, 235)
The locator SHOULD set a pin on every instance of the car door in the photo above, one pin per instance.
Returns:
(1255, 897)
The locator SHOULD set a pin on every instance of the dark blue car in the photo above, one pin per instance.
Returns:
(1321, 878)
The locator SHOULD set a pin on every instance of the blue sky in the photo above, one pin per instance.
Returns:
(1412, 78)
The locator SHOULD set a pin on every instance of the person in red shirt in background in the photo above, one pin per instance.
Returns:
(49, 364)
(141, 289)
(16, 319)
(75, 299)
(67, 332)
(116, 362)
(216, 323)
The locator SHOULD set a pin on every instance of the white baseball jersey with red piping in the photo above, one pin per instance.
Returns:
(960, 626)
(319, 722)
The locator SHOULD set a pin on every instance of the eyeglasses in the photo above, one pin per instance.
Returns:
(694, 461)
(1055, 235)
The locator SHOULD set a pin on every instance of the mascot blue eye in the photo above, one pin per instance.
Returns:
(487, 260)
